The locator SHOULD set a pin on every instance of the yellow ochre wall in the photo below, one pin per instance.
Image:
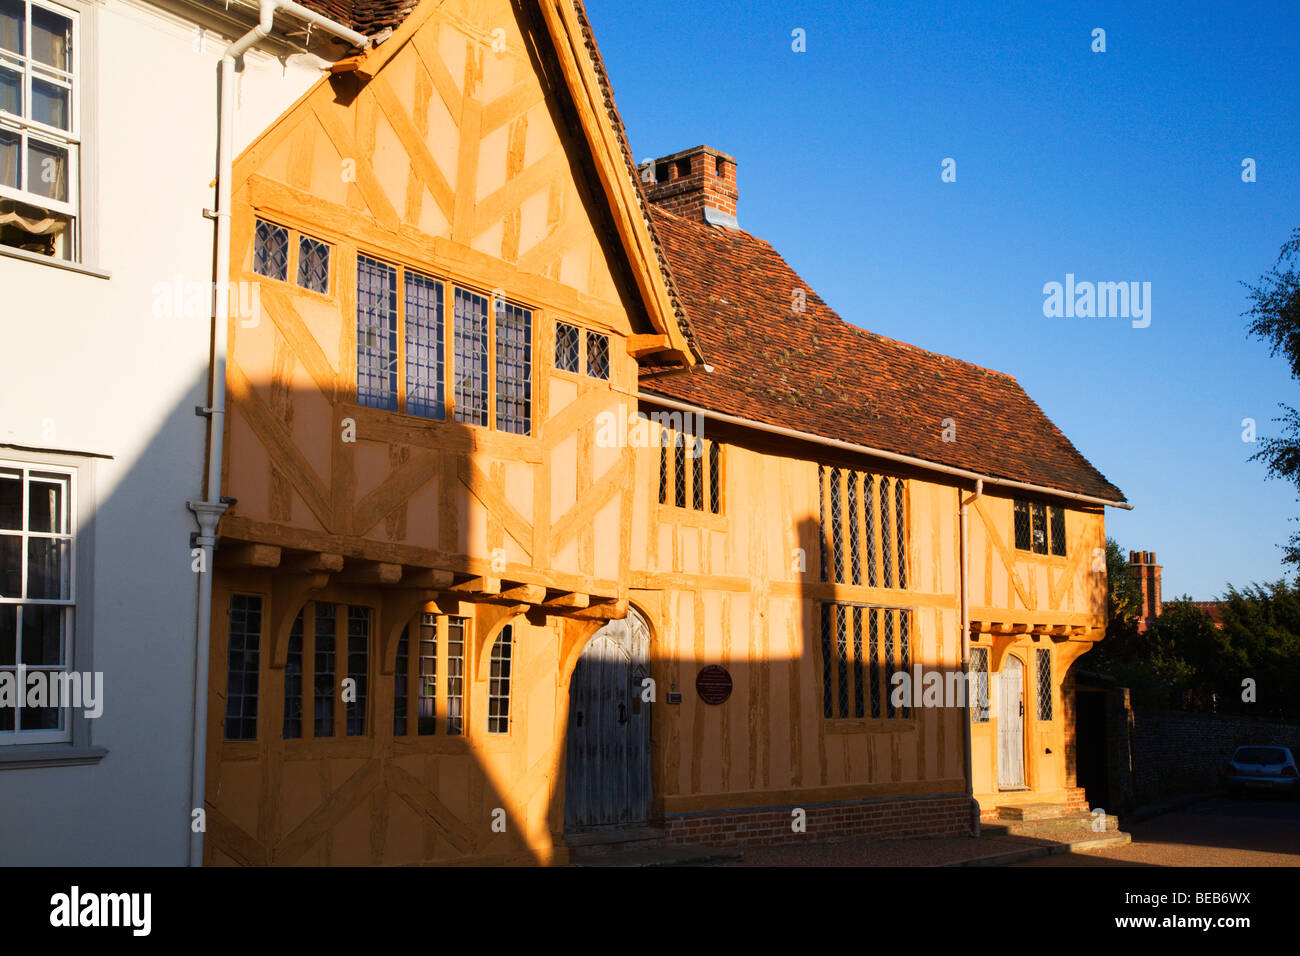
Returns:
(450, 160)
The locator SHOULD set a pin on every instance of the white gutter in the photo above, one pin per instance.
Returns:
(208, 511)
(880, 453)
(965, 649)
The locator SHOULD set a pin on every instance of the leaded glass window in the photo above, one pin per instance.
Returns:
(567, 349)
(470, 333)
(499, 683)
(597, 355)
(313, 265)
(514, 361)
(271, 250)
(243, 657)
(376, 334)
(979, 669)
(426, 346)
(293, 682)
(1044, 668)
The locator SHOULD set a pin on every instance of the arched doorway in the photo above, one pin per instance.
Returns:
(1011, 724)
(607, 780)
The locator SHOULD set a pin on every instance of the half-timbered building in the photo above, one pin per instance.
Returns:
(559, 508)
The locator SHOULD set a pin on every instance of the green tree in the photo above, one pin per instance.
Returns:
(1275, 318)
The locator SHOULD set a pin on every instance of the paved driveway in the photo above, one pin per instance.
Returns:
(1216, 832)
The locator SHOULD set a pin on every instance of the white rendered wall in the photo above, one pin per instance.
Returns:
(86, 366)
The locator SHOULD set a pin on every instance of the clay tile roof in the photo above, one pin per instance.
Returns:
(367, 17)
(814, 372)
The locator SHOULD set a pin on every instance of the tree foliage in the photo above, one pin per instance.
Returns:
(1183, 661)
(1275, 318)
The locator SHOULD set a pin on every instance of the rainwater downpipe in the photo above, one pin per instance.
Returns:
(208, 511)
(965, 650)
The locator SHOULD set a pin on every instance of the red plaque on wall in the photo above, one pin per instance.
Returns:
(713, 684)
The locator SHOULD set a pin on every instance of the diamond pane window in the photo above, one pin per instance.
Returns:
(715, 478)
(566, 347)
(1039, 511)
(905, 654)
(979, 669)
(271, 250)
(1058, 531)
(821, 519)
(873, 655)
(857, 662)
(886, 552)
(837, 529)
(471, 359)
(242, 660)
(679, 471)
(855, 550)
(899, 525)
(597, 355)
(1022, 525)
(889, 662)
(514, 360)
(869, 525)
(841, 660)
(313, 265)
(663, 466)
(1044, 668)
(499, 683)
(827, 611)
(697, 474)
(376, 334)
(426, 347)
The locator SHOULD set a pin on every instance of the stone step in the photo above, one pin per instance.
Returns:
(1058, 828)
(1018, 812)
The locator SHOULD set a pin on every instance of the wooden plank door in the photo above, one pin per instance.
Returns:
(1011, 725)
(607, 781)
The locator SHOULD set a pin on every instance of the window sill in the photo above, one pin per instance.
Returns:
(32, 756)
(39, 259)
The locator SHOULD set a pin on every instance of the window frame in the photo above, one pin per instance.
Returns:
(582, 350)
(862, 645)
(293, 255)
(1030, 508)
(449, 344)
(81, 249)
(67, 624)
(442, 677)
(699, 478)
(76, 746)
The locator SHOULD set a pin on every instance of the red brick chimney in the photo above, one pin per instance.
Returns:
(1147, 573)
(697, 184)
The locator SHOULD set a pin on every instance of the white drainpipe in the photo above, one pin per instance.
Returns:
(208, 511)
(965, 648)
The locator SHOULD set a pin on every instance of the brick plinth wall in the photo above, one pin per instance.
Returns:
(944, 815)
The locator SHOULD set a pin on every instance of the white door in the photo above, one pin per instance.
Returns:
(1011, 724)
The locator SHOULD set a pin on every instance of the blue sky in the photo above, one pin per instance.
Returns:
(1115, 166)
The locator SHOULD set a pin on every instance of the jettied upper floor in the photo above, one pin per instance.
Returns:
(417, 231)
